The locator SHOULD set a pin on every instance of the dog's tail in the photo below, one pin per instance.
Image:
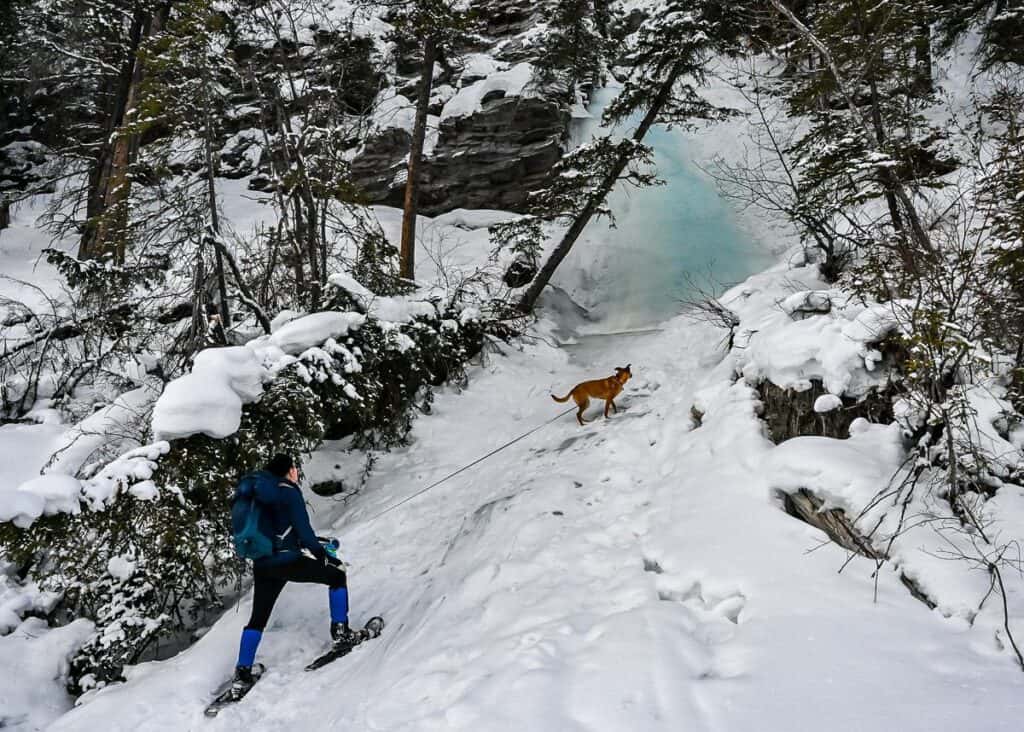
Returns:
(562, 399)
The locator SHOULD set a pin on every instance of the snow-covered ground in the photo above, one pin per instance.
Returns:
(635, 574)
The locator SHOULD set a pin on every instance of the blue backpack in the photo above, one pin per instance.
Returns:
(248, 526)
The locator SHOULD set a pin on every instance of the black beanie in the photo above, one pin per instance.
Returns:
(280, 464)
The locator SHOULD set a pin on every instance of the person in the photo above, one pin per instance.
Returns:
(298, 556)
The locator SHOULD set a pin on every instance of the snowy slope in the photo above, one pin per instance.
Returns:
(634, 574)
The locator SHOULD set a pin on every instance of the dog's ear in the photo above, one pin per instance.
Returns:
(627, 367)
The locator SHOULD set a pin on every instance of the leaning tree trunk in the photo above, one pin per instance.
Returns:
(407, 256)
(923, 82)
(92, 244)
(211, 193)
(529, 299)
(109, 183)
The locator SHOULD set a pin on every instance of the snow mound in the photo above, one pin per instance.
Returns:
(845, 474)
(209, 399)
(54, 493)
(131, 473)
(42, 496)
(836, 348)
(312, 330)
(470, 99)
(120, 568)
(826, 403)
(388, 309)
(33, 666)
(18, 600)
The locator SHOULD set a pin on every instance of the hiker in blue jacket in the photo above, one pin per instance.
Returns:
(298, 556)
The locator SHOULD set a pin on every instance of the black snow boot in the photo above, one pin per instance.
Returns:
(245, 678)
(343, 638)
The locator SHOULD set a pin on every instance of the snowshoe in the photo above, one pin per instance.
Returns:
(236, 689)
(344, 639)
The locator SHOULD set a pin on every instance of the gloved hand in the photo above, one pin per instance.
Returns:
(331, 547)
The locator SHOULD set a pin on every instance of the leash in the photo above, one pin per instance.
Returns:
(467, 467)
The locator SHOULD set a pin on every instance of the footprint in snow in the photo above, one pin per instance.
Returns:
(727, 606)
(710, 618)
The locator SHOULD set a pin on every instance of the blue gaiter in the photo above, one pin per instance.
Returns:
(247, 648)
(339, 605)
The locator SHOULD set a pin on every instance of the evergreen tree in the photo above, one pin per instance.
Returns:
(573, 49)
(1001, 23)
(1001, 300)
(865, 83)
(85, 53)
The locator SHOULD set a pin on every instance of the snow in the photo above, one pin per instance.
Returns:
(19, 599)
(837, 348)
(469, 99)
(209, 399)
(392, 110)
(637, 573)
(837, 470)
(312, 330)
(626, 575)
(388, 309)
(33, 663)
(827, 403)
(120, 568)
(41, 496)
(479, 65)
(102, 428)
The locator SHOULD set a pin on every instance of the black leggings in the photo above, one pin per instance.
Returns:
(269, 581)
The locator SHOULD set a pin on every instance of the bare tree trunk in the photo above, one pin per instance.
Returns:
(923, 82)
(529, 299)
(211, 194)
(407, 256)
(113, 156)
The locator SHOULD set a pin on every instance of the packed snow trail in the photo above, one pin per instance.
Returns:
(634, 574)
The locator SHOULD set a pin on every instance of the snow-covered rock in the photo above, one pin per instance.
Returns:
(498, 84)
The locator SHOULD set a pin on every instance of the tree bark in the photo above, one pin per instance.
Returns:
(529, 299)
(111, 158)
(407, 256)
(923, 81)
(211, 193)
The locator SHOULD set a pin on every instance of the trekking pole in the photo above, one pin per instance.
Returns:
(467, 467)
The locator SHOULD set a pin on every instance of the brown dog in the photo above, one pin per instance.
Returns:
(606, 389)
